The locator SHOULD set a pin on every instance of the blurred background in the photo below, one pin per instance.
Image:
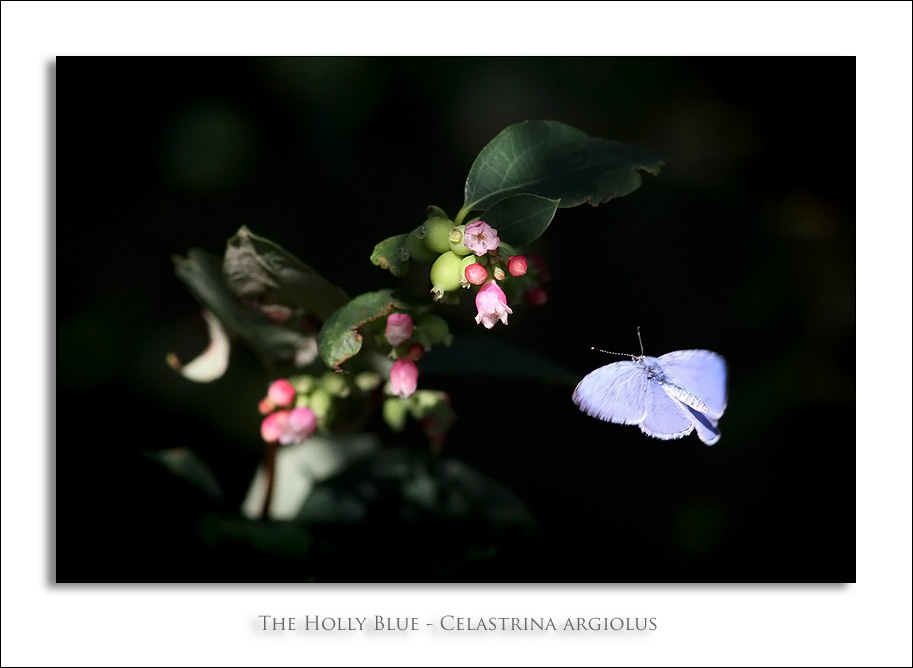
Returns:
(744, 244)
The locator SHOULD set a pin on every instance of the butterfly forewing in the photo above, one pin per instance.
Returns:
(700, 372)
(614, 393)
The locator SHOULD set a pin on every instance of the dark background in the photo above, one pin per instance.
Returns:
(744, 244)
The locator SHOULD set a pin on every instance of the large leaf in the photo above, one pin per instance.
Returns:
(339, 338)
(521, 219)
(258, 270)
(186, 464)
(554, 160)
(278, 345)
(488, 357)
(388, 255)
(409, 486)
(212, 363)
(401, 515)
(301, 466)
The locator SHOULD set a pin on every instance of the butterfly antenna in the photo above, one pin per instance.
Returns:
(633, 357)
(609, 352)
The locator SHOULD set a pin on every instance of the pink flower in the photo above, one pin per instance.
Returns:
(480, 237)
(403, 378)
(288, 427)
(399, 328)
(492, 305)
(516, 265)
(281, 393)
(476, 274)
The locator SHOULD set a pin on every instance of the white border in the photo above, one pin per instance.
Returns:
(864, 624)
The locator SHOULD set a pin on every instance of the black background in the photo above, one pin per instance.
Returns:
(744, 244)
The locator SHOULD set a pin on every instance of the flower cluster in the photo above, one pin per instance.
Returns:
(473, 255)
(282, 423)
(409, 341)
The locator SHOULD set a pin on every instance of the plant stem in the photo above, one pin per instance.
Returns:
(460, 216)
(269, 462)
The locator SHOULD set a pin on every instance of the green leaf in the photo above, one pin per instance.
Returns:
(278, 345)
(554, 160)
(274, 540)
(387, 255)
(299, 467)
(258, 270)
(339, 339)
(488, 357)
(419, 518)
(188, 465)
(410, 487)
(212, 363)
(521, 219)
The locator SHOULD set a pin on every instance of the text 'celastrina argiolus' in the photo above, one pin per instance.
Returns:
(668, 396)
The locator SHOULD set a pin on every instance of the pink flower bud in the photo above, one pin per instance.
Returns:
(288, 427)
(491, 303)
(536, 296)
(300, 425)
(271, 427)
(416, 352)
(476, 274)
(265, 406)
(480, 237)
(403, 378)
(281, 393)
(516, 265)
(399, 328)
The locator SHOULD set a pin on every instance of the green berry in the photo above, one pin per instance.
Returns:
(437, 234)
(456, 240)
(394, 411)
(445, 274)
(416, 246)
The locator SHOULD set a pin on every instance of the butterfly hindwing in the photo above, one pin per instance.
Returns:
(664, 418)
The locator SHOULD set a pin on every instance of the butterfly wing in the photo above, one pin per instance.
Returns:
(705, 425)
(614, 393)
(665, 418)
(702, 373)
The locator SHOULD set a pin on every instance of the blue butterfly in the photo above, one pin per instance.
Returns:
(668, 396)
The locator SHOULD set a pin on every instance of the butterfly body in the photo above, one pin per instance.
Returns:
(667, 397)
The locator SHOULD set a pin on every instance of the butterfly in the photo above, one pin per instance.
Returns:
(667, 396)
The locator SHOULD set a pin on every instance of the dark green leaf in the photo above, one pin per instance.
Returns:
(488, 357)
(554, 160)
(398, 514)
(276, 344)
(387, 255)
(521, 219)
(275, 539)
(258, 270)
(413, 487)
(186, 464)
(339, 339)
